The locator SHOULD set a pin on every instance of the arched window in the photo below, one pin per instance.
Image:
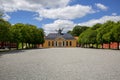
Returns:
(70, 43)
(63, 43)
(56, 43)
(66, 43)
(48, 43)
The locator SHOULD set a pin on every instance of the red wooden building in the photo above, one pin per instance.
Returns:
(7, 45)
(113, 45)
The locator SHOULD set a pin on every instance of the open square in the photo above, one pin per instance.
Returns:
(60, 64)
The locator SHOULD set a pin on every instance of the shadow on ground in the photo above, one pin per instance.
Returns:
(11, 52)
(17, 51)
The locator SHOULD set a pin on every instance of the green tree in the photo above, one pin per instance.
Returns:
(34, 35)
(83, 38)
(116, 33)
(77, 30)
(41, 33)
(4, 31)
(103, 32)
(69, 32)
(89, 36)
(108, 37)
(96, 26)
(16, 34)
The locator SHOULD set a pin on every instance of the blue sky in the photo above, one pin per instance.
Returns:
(53, 14)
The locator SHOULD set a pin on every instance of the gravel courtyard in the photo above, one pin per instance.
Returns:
(60, 64)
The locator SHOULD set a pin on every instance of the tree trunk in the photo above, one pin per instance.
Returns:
(17, 45)
(85, 46)
(26, 46)
(89, 45)
(97, 45)
(82, 45)
(32, 45)
(35, 46)
(22, 45)
(42, 45)
(10, 46)
(117, 45)
(102, 45)
(92, 45)
(29, 45)
(109, 45)
(2, 45)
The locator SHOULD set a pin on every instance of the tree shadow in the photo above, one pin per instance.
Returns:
(17, 51)
(11, 52)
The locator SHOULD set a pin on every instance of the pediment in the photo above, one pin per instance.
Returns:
(59, 38)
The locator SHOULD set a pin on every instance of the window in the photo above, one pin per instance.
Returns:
(66, 43)
(48, 43)
(70, 43)
(63, 43)
(56, 43)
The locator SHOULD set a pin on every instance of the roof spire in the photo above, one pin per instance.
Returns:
(60, 31)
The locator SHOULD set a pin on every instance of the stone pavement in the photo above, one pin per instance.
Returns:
(60, 64)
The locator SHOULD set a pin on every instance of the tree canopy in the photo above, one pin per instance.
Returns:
(27, 33)
(20, 33)
(101, 33)
(77, 30)
(4, 30)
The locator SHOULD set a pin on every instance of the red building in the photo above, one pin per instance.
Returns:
(7, 45)
(113, 45)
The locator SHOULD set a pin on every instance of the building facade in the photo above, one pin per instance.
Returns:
(59, 40)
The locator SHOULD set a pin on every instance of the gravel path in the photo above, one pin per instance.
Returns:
(60, 64)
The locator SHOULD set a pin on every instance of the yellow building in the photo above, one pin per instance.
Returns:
(59, 40)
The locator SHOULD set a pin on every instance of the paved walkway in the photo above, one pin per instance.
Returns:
(60, 64)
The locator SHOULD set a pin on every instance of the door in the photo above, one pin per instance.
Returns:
(60, 44)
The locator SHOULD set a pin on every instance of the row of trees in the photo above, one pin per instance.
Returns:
(100, 34)
(20, 33)
(77, 30)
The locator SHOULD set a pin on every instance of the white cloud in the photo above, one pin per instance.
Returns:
(6, 17)
(101, 20)
(114, 14)
(66, 24)
(101, 6)
(50, 3)
(69, 12)
(14, 5)
(31, 5)
(38, 18)
(53, 9)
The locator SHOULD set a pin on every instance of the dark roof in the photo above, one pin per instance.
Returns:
(53, 36)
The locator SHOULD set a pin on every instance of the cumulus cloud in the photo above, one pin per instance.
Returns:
(66, 24)
(69, 12)
(100, 20)
(31, 5)
(53, 9)
(50, 3)
(101, 6)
